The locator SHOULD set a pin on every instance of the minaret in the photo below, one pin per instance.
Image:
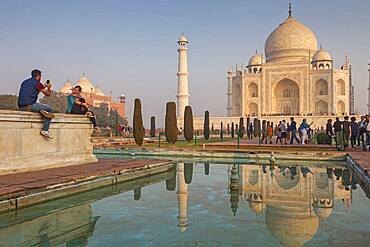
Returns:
(182, 194)
(351, 92)
(368, 93)
(229, 92)
(182, 74)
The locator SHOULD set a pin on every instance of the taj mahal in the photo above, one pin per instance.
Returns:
(294, 77)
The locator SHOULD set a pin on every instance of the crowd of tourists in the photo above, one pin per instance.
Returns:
(285, 132)
(350, 133)
(347, 133)
(28, 101)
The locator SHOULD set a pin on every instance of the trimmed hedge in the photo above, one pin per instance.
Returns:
(323, 138)
(138, 127)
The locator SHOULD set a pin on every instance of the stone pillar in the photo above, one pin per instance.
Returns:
(182, 74)
(229, 92)
(182, 195)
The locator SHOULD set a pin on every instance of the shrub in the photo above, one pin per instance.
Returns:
(171, 129)
(241, 127)
(138, 128)
(152, 126)
(222, 131)
(247, 126)
(188, 124)
(255, 127)
(323, 138)
(232, 130)
(206, 125)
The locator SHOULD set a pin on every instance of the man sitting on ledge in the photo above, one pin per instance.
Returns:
(27, 100)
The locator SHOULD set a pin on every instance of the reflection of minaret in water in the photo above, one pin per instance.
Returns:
(234, 189)
(182, 198)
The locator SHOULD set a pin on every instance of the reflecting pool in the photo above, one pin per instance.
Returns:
(200, 204)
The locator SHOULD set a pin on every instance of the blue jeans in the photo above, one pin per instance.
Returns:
(37, 107)
(294, 137)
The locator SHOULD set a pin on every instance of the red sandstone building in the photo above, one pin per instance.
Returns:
(94, 96)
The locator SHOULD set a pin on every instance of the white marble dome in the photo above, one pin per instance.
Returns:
(290, 40)
(256, 59)
(321, 55)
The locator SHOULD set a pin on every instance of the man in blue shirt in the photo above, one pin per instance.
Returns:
(293, 130)
(27, 100)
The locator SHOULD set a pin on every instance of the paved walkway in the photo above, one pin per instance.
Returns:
(362, 158)
(14, 185)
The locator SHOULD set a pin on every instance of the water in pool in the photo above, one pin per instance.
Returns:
(198, 204)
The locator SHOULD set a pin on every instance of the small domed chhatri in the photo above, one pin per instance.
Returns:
(256, 59)
(321, 55)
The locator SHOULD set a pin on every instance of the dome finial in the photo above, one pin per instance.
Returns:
(320, 46)
(290, 10)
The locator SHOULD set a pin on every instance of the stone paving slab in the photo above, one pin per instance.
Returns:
(13, 185)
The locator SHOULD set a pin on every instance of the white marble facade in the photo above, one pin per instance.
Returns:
(293, 77)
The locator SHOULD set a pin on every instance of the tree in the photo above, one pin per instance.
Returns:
(247, 127)
(152, 126)
(57, 101)
(171, 129)
(138, 128)
(222, 131)
(255, 127)
(115, 120)
(206, 125)
(232, 130)
(8, 102)
(241, 127)
(188, 124)
(102, 115)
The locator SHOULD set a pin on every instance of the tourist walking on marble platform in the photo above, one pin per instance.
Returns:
(269, 133)
(250, 131)
(346, 132)
(367, 132)
(329, 129)
(304, 128)
(278, 133)
(78, 105)
(264, 132)
(283, 129)
(27, 99)
(338, 134)
(293, 131)
(354, 132)
(361, 132)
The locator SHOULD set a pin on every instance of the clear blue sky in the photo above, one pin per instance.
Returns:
(129, 47)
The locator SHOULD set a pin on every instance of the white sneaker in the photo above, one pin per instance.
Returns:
(45, 134)
(47, 114)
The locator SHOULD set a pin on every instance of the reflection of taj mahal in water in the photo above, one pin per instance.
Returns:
(293, 199)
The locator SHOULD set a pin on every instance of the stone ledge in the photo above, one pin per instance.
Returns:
(24, 116)
(23, 149)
